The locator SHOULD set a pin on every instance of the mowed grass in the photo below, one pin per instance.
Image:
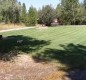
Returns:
(56, 35)
(63, 44)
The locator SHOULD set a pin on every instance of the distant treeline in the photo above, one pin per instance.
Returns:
(12, 11)
(68, 12)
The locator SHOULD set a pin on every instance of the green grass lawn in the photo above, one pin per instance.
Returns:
(66, 45)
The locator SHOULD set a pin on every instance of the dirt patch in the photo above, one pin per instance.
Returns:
(40, 27)
(24, 68)
(10, 26)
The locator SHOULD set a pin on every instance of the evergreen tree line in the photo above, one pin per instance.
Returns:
(72, 12)
(12, 11)
(68, 12)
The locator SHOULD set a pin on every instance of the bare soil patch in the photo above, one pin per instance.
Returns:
(10, 26)
(41, 27)
(25, 68)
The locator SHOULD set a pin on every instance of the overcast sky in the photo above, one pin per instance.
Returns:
(39, 3)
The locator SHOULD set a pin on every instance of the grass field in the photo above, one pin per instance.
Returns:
(65, 45)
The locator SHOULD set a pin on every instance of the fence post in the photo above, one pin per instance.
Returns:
(0, 36)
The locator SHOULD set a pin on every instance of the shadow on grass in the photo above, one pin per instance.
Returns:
(13, 45)
(73, 56)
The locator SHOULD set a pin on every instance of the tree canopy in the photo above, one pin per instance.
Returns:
(68, 12)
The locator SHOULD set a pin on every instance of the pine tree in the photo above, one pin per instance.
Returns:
(84, 13)
(23, 13)
(10, 11)
(69, 10)
(46, 15)
(32, 16)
